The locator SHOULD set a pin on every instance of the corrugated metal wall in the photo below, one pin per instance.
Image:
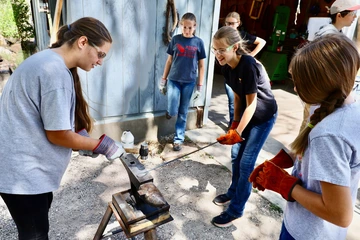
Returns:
(126, 84)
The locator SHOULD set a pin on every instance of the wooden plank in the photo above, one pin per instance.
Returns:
(146, 224)
(120, 221)
(57, 15)
(126, 211)
(150, 235)
(103, 223)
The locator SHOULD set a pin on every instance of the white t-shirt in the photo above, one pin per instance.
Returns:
(38, 96)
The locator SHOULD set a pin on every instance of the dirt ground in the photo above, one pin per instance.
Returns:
(188, 185)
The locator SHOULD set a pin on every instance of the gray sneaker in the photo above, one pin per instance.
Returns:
(177, 147)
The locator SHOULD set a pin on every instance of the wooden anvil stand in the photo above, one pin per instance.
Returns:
(134, 215)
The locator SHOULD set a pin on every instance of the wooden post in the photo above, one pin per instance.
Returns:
(55, 27)
(150, 234)
(103, 223)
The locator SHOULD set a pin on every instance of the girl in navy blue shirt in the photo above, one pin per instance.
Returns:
(254, 116)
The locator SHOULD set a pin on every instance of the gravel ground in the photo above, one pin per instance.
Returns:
(188, 185)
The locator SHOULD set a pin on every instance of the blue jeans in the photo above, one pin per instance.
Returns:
(230, 95)
(179, 96)
(284, 234)
(243, 158)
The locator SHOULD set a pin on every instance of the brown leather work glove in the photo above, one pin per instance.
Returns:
(234, 125)
(281, 159)
(277, 179)
(230, 138)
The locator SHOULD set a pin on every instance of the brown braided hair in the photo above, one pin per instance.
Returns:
(324, 73)
(97, 34)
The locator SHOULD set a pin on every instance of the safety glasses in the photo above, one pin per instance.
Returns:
(100, 53)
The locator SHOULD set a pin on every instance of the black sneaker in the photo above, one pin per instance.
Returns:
(221, 199)
(177, 147)
(223, 220)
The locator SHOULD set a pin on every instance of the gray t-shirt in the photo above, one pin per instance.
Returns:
(327, 29)
(38, 96)
(333, 156)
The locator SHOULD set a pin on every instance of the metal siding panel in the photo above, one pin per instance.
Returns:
(74, 9)
(127, 83)
(113, 20)
(160, 101)
(131, 56)
(42, 36)
(147, 20)
(204, 32)
(96, 79)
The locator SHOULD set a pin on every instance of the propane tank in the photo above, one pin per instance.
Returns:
(127, 139)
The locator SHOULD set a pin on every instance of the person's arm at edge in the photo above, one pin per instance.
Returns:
(260, 44)
(201, 66)
(333, 205)
(167, 67)
(70, 139)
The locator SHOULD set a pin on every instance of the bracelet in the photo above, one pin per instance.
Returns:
(163, 78)
(310, 125)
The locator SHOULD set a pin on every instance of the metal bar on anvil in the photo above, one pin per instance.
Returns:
(135, 170)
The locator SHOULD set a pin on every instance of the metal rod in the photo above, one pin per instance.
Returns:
(175, 159)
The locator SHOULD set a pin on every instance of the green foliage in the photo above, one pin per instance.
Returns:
(7, 21)
(22, 18)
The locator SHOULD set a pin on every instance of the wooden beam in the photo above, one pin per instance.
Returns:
(55, 27)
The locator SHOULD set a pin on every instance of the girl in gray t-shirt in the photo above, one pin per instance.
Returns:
(323, 186)
(43, 116)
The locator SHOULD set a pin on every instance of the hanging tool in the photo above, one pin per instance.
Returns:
(168, 32)
(256, 8)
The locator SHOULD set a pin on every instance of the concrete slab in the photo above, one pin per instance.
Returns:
(169, 154)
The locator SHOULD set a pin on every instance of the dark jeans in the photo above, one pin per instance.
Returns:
(243, 158)
(284, 234)
(30, 214)
(230, 95)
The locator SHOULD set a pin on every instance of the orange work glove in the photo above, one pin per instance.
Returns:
(230, 138)
(281, 159)
(234, 125)
(277, 179)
